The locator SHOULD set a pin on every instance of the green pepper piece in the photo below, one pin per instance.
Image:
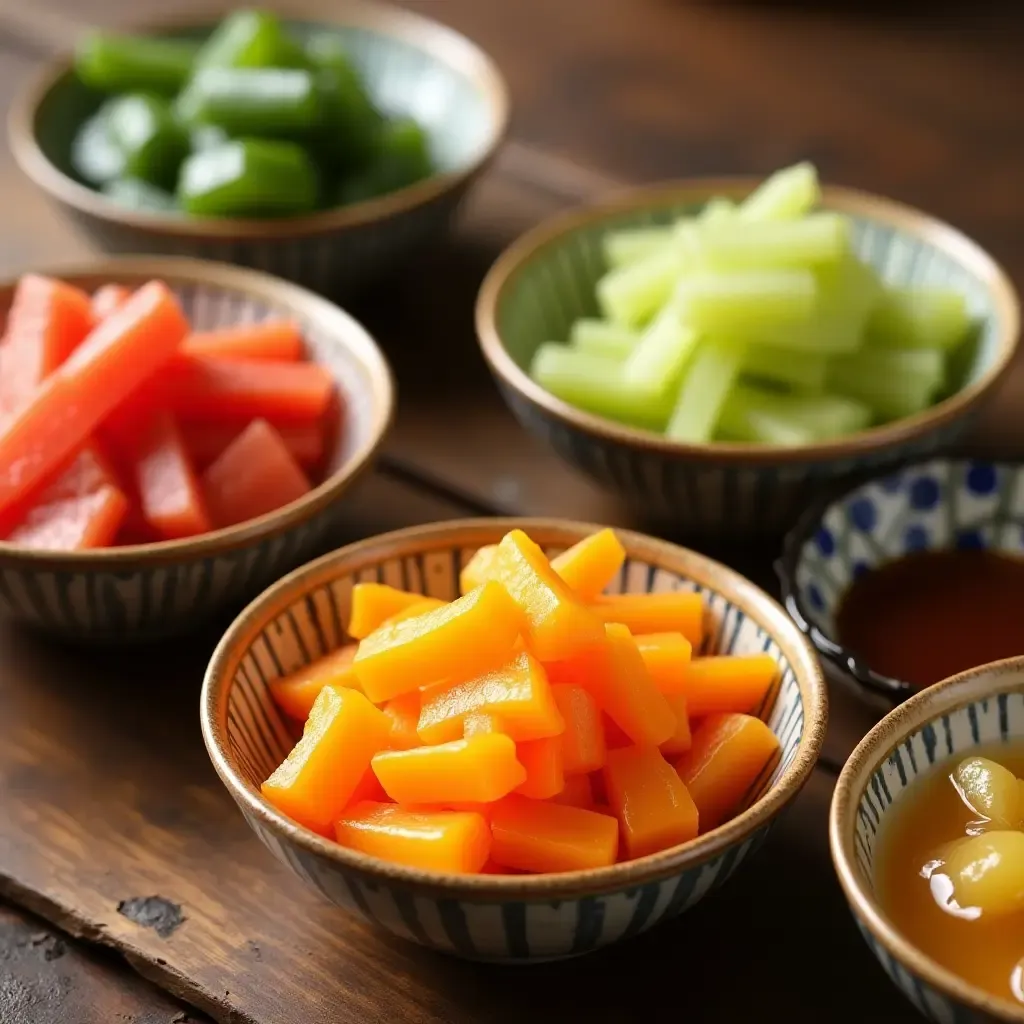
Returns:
(206, 136)
(251, 39)
(140, 195)
(94, 156)
(248, 178)
(402, 158)
(153, 142)
(118, 63)
(272, 102)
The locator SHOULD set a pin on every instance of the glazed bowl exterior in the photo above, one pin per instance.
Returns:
(982, 707)
(508, 919)
(545, 280)
(412, 66)
(149, 591)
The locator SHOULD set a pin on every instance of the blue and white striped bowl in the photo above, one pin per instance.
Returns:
(513, 919)
(411, 65)
(937, 504)
(978, 708)
(545, 280)
(148, 591)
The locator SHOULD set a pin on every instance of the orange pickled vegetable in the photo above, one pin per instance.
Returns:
(478, 569)
(368, 788)
(477, 770)
(457, 641)
(296, 694)
(558, 624)
(112, 361)
(316, 780)
(81, 508)
(679, 742)
(577, 792)
(583, 746)
(517, 693)
(667, 657)
(591, 564)
(730, 753)
(533, 835)
(254, 475)
(728, 683)
(478, 722)
(272, 339)
(166, 483)
(542, 759)
(614, 737)
(403, 713)
(457, 842)
(674, 611)
(206, 441)
(107, 299)
(654, 809)
(375, 603)
(421, 607)
(47, 321)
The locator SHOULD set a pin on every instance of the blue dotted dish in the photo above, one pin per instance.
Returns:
(935, 505)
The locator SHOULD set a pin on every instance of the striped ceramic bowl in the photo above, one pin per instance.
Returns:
(981, 707)
(148, 591)
(937, 504)
(512, 919)
(412, 66)
(722, 490)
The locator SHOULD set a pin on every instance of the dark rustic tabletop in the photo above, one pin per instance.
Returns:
(105, 800)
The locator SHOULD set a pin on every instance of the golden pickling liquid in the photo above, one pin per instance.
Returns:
(985, 952)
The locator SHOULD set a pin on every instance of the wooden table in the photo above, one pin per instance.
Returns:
(923, 108)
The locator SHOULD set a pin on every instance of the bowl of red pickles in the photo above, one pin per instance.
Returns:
(513, 740)
(174, 435)
(320, 152)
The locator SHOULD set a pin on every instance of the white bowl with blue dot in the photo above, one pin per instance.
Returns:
(939, 504)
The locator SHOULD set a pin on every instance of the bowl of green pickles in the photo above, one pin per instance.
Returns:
(325, 153)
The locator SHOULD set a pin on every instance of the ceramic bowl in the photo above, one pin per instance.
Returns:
(411, 65)
(488, 917)
(545, 280)
(938, 504)
(981, 707)
(147, 591)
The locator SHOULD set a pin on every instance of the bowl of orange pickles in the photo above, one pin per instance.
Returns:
(927, 837)
(513, 740)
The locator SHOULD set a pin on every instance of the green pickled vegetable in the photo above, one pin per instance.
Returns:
(401, 158)
(248, 178)
(152, 141)
(704, 390)
(920, 318)
(253, 102)
(630, 295)
(140, 195)
(351, 123)
(94, 156)
(250, 39)
(786, 194)
(589, 334)
(116, 63)
(206, 136)
(631, 244)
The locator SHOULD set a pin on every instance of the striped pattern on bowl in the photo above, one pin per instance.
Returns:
(546, 281)
(304, 618)
(145, 592)
(979, 708)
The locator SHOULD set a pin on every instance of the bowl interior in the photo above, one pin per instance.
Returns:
(554, 285)
(305, 618)
(935, 505)
(401, 77)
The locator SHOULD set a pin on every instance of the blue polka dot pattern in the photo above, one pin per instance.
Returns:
(970, 540)
(916, 538)
(859, 569)
(825, 541)
(863, 514)
(924, 493)
(982, 478)
(815, 597)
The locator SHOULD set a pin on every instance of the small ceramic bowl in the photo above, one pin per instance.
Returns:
(411, 65)
(545, 280)
(148, 591)
(981, 707)
(932, 505)
(489, 917)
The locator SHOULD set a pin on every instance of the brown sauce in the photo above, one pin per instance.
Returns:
(932, 614)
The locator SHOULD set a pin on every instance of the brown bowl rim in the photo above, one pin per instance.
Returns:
(351, 334)
(433, 37)
(868, 756)
(513, 261)
(754, 602)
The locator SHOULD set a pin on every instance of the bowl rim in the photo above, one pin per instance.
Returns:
(515, 259)
(350, 334)
(432, 37)
(870, 754)
(856, 668)
(755, 603)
